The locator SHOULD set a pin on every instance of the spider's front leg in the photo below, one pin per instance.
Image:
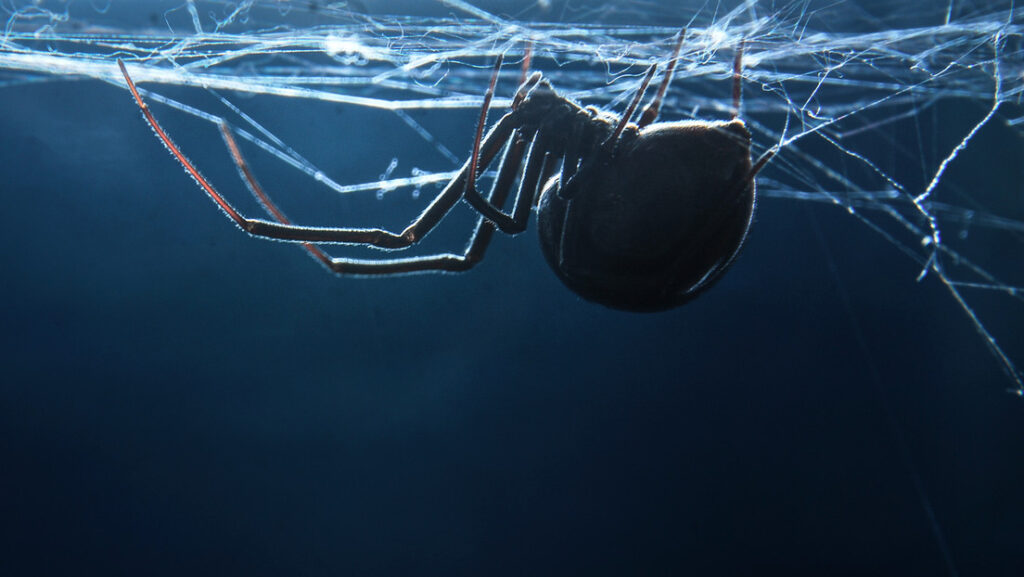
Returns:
(281, 228)
(479, 240)
(539, 162)
(535, 127)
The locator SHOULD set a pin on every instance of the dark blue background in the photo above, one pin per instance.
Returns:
(178, 398)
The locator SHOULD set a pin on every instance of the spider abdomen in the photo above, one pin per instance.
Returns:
(652, 224)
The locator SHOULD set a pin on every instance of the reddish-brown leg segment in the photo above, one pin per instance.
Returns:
(628, 114)
(283, 229)
(737, 80)
(538, 157)
(737, 101)
(650, 113)
(257, 190)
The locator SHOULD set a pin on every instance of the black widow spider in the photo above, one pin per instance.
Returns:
(640, 217)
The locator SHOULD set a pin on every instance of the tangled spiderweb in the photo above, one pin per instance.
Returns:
(833, 87)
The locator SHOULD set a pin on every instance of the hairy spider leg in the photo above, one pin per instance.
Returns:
(539, 161)
(527, 59)
(525, 89)
(261, 196)
(650, 112)
(488, 96)
(491, 145)
(477, 245)
(572, 153)
(526, 84)
(628, 114)
(224, 205)
(570, 186)
(480, 238)
(258, 227)
(737, 101)
(762, 161)
(536, 163)
(737, 80)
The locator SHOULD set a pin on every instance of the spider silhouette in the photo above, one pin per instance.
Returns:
(636, 216)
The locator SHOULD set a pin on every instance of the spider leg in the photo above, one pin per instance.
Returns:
(628, 114)
(261, 196)
(584, 156)
(550, 167)
(737, 95)
(481, 237)
(737, 80)
(474, 159)
(515, 223)
(572, 155)
(527, 59)
(650, 112)
(540, 165)
(762, 161)
(524, 88)
(284, 230)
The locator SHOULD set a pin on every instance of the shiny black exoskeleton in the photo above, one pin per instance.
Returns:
(651, 224)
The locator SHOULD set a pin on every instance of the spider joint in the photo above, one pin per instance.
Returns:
(409, 235)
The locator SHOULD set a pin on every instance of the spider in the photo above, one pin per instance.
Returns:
(636, 216)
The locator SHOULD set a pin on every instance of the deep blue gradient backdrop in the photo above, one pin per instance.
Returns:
(178, 398)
